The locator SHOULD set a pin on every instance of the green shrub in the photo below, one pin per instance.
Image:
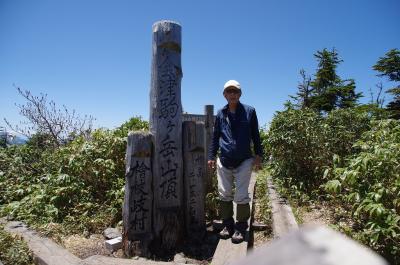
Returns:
(79, 185)
(370, 181)
(302, 144)
(13, 250)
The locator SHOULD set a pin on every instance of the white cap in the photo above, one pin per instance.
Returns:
(232, 83)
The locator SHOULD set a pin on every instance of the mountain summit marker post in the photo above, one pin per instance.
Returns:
(164, 193)
(166, 128)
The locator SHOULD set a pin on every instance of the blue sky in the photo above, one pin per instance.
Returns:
(94, 56)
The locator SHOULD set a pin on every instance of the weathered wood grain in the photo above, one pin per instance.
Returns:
(194, 174)
(137, 210)
(208, 125)
(283, 220)
(166, 127)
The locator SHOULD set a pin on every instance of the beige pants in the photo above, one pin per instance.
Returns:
(241, 175)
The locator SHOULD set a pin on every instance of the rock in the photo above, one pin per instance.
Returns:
(114, 244)
(179, 258)
(118, 254)
(111, 233)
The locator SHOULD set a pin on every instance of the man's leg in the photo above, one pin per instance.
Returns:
(242, 175)
(225, 184)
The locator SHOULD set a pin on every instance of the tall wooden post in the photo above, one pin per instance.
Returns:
(208, 125)
(137, 210)
(194, 173)
(166, 127)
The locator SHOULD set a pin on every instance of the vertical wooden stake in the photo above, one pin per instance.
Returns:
(137, 210)
(194, 173)
(166, 127)
(208, 124)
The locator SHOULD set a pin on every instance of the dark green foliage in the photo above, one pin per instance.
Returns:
(79, 185)
(389, 66)
(327, 91)
(13, 250)
(326, 76)
(134, 124)
(394, 106)
(302, 143)
(349, 158)
(3, 137)
(370, 181)
(303, 95)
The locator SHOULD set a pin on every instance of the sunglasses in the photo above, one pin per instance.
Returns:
(232, 91)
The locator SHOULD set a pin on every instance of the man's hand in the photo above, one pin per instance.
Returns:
(257, 163)
(211, 164)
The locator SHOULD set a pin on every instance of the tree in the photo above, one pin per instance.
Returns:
(44, 118)
(304, 91)
(3, 137)
(329, 91)
(378, 102)
(389, 66)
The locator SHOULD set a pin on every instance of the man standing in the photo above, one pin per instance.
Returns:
(235, 127)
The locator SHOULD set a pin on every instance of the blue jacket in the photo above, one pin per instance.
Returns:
(233, 134)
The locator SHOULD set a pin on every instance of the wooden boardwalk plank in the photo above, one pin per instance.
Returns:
(283, 220)
(226, 251)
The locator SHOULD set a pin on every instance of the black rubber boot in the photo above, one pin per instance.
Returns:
(240, 232)
(242, 212)
(225, 209)
(228, 230)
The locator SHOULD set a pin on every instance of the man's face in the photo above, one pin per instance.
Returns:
(232, 95)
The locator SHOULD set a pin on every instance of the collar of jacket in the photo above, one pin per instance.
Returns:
(225, 109)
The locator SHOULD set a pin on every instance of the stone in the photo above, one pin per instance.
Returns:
(111, 233)
(45, 251)
(179, 258)
(114, 244)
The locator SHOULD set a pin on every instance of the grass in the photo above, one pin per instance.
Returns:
(13, 250)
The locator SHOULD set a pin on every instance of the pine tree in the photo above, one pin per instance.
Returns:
(389, 66)
(304, 91)
(327, 91)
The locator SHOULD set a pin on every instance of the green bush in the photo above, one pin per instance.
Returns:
(302, 144)
(79, 185)
(349, 158)
(370, 181)
(13, 250)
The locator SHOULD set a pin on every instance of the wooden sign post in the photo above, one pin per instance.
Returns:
(137, 210)
(208, 124)
(194, 173)
(166, 128)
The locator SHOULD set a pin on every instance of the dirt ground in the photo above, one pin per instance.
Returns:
(317, 214)
(83, 247)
